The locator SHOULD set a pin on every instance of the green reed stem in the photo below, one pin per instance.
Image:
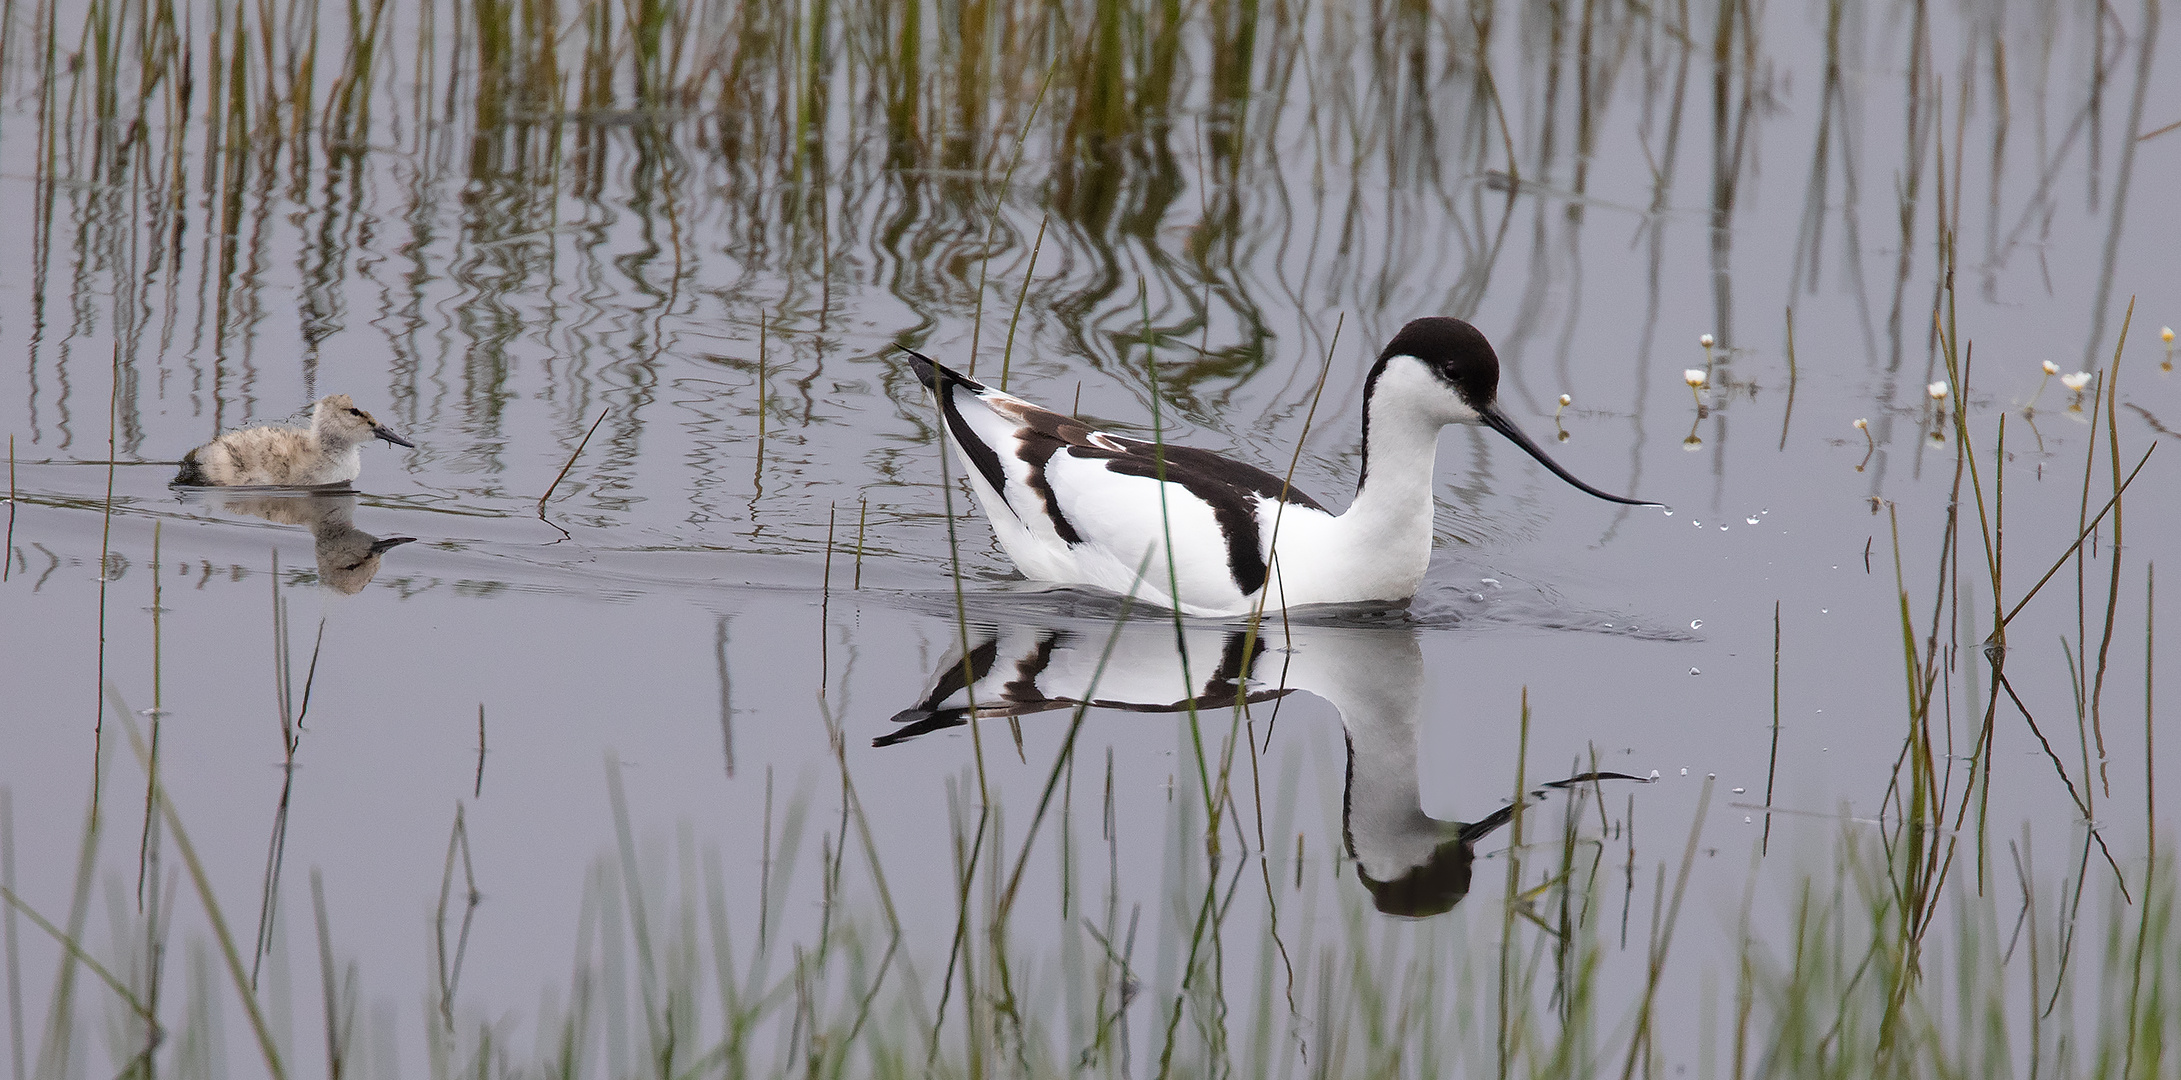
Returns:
(1007, 352)
(203, 883)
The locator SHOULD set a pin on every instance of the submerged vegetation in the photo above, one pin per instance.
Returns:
(623, 185)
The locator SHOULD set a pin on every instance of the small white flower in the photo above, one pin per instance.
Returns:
(1566, 400)
(1937, 390)
(1694, 376)
(2076, 380)
(1706, 341)
(1862, 425)
(2051, 368)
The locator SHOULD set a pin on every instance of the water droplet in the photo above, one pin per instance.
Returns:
(1696, 624)
(1477, 597)
(1669, 513)
(1693, 671)
(1711, 776)
(1684, 770)
(1745, 819)
(1493, 582)
(1749, 521)
(1722, 528)
(1739, 791)
(1698, 524)
(1825, 611)
(1654, 774)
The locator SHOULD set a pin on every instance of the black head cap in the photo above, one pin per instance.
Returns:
(1454, 351)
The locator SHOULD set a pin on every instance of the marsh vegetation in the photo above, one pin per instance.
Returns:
(704, 731)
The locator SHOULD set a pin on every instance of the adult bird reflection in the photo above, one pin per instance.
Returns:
(1413, 864)
(348, 557)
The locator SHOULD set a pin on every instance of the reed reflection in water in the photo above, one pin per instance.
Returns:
(708, 221)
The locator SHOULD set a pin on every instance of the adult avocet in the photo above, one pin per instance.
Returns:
(328, 452)
(1082, 507)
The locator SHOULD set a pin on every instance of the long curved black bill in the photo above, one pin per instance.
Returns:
(387, 433)
(1497, 421)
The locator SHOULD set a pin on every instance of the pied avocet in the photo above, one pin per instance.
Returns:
(1083, 507)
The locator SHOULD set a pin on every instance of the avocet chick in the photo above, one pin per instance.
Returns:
(329, 452)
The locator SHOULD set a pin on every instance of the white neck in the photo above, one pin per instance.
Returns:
(1387, 532)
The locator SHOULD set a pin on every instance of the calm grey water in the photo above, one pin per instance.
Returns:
(727, 298)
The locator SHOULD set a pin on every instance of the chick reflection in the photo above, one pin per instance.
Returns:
(348, 557)
(1413, 864)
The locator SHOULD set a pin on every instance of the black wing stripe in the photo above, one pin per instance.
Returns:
(1232, 489)
(1038, 449)
(943, 382)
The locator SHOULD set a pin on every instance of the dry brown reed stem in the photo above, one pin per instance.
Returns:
(477, 790)
(757, 469)
(1788, 414)
(2112, 596)
(571, 463)
(825, 600)
(450, 968)
(2081, 536)
(863, 513)
(105, 553)
(1772, 759)
(7, 549)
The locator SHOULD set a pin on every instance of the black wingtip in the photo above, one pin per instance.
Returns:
(932, 373)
